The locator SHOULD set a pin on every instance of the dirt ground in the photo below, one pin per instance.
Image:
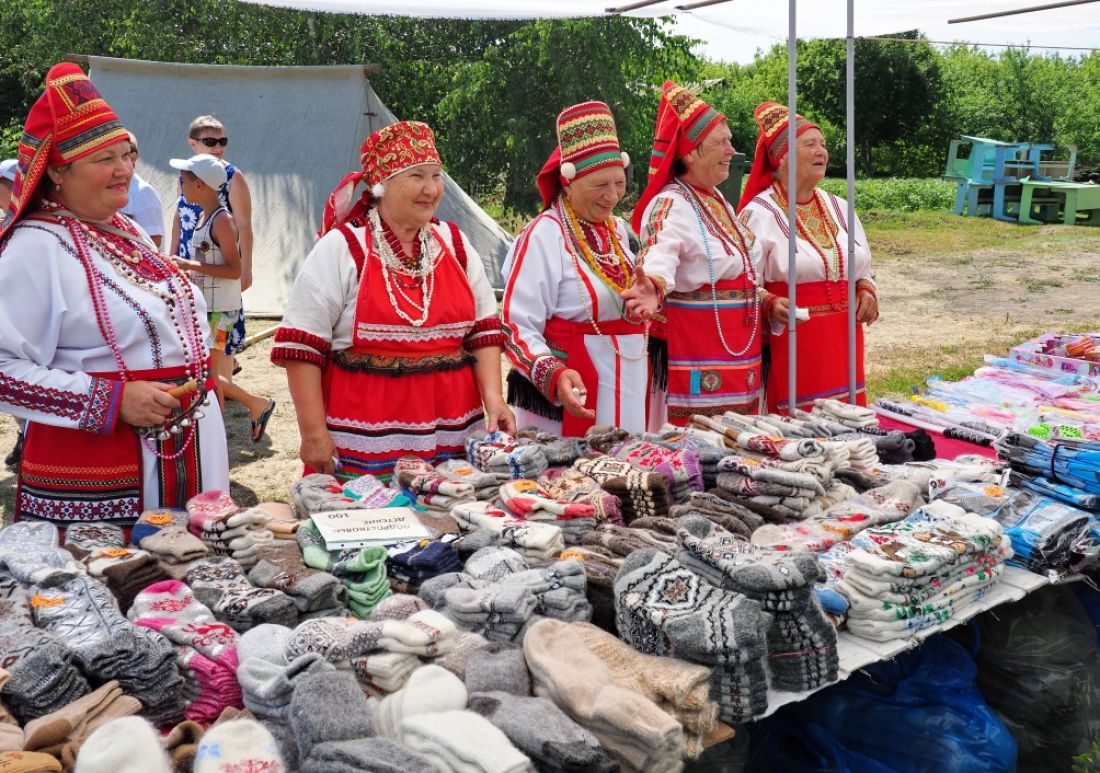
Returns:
(950, 290)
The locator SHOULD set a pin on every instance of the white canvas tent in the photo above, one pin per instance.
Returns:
(295, 131)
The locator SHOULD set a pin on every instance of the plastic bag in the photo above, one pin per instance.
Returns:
(1039, 667)
(920, 711)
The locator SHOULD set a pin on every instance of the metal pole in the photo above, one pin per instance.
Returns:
(792, 201)
(999, 14)
(850, 118)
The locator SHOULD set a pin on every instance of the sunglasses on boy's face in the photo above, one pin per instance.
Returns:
(211, 142)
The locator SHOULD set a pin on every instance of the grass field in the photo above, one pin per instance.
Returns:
(951, 290)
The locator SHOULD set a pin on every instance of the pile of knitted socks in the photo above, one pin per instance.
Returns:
(559, 588)
(361, 570)
(559, 451)
(366, 491)
(497, 611)
(125, 572)
(410, 565)
(527, 500)
(801, 641)
(663, 608)
(227, 529)
(486, 484)
(537, 540)
(164, 534)
(853, 416)
(680, 466)
(498, 453)
(220, 583)
(905, 576)
(320, 493)
(877, 506)
(641, 493)
(570, 485)
(624, 540)
(206, 649)
(730, 515)
(431, 489)
(315, 593)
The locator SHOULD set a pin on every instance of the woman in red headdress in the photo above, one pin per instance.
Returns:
(704, 262)
(821, 263)
(580, 356)
(390, 338)
(102, 336)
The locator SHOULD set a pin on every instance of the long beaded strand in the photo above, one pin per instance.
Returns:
(746, 266)
(390, 261)
(834, 272)
(565, 212)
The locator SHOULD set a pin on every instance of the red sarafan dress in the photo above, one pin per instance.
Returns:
(395, 346)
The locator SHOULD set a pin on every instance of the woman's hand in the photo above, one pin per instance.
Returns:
(319, 451)
(499, 416)
(183, 264)
(642, 298)
(572, 393)
(780, 311)
(146, 403)
(866, 307)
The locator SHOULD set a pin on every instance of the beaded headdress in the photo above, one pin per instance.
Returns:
(772, 119)
(683, 122)
(587, 143)
(388, 151)
(67, 122)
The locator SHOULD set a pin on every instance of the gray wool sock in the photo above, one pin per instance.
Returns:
(220, 583)
(494, 563)
(328, 706)
(266, 641)
(506, 603)
(365, 755)
(543, 732)
(662, 608)
(397, 607)
(498, 666)
(432, 591)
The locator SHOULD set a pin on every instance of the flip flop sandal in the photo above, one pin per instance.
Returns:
(259, 426)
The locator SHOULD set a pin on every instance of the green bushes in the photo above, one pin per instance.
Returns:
(896, 194)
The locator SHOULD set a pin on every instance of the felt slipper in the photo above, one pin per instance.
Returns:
(259, 426)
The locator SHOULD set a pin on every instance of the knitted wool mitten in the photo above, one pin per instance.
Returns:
(526, 499)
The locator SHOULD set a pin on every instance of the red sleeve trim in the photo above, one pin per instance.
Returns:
(291, 335)
(280, 355)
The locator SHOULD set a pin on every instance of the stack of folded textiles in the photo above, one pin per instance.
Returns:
(341, 640)
(1043, 531)
(164, 534)
(30, 553)
(706, 445)
(84, 615)
(854, 416)
(559, 588)
(410, 565)
(801, 641)
(792, 494)
(496, 611)
(624, 540)
(679, 688)
(728, 514)
(486, 484)
(62, 733)
(314, 592)
(361, 570)
(282, 520)
(910, 575)
(365, 491)
(527, 500)
(227, 529)
(42, 677)
(220, 583)
(320, 493)
(570, 485)
(101, 548)
(641, 493)
(680, 466)
(559, 451)
(431, 489)
(663, 608)
(600, 567)
(206, 649)
(891, 447)
(630, 727)
(498, 453)
(859, 453)
(840, 522)
(536, 540)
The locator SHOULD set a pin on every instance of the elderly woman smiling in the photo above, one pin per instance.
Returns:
(821, 262)
(580, 355)
(99, 330)
(390, 339)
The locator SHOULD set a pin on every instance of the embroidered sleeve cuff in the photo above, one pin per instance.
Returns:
(281, 355)
(292, 335)
(486, 332)
(104, 401)
(545, 374)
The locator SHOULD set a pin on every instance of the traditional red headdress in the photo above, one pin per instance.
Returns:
(683, 122)
(771, 146)
(67, 122)
(587, 142)
(389, 151)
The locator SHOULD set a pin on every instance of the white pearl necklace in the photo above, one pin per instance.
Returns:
(390, 263)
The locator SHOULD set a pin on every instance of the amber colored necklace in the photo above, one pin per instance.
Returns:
(621, 266)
